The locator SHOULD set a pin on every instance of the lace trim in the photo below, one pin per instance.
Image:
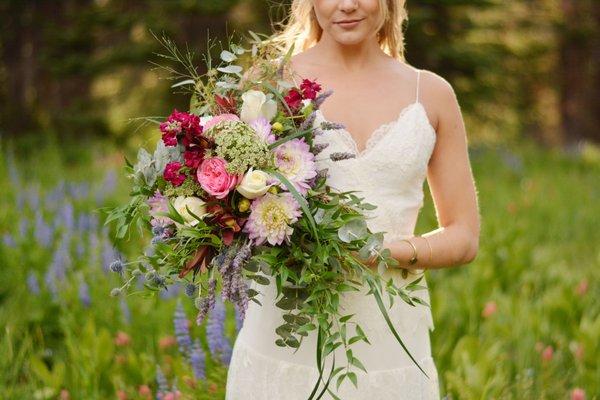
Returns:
(254, 376)
(380, 132)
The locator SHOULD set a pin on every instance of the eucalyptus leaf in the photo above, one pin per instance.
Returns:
(353, 230)
(231, 69)
(228, 56)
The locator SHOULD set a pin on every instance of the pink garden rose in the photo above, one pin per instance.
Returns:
(219, 118)
(214, 178)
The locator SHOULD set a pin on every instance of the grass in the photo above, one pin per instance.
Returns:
(522, 321)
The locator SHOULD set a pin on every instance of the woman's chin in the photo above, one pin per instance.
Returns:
(350, 38)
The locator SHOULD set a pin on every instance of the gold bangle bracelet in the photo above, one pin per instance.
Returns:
(414, 259)
(430, 249)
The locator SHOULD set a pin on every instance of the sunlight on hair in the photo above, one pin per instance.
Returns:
(301, 29)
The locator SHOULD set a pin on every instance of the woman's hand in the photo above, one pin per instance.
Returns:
(370, 263)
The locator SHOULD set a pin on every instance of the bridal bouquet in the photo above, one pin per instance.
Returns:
(231, 193)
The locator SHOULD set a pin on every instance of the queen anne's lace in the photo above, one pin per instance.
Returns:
(390, 173)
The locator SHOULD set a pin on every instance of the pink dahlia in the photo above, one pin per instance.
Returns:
(271, 217)
(262, 127)
(214, 178)
(172, 173)
(295, 161)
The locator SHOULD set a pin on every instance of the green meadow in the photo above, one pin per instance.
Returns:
(520, 322)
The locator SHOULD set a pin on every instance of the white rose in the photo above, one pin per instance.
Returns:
(256, 104)
(254, 184)
(195, 205)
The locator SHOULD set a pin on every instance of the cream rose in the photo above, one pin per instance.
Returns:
(254, 184)
(195, 205)
(256, 104)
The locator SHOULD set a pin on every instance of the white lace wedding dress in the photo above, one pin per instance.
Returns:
(390, 172)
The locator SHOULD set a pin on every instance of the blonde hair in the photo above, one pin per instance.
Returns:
(302, 30)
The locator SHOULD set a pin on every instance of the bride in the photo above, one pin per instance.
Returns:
(401, 125)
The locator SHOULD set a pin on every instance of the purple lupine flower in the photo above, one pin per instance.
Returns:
(33, 197)
(83, 222)
(108, 186)
(171, 292)
(20, 200)
(79, 190)
(205, 304)
(218, 343)
(182, 330)
(32, 283)
(125, 310)
(56, 196)
(8, 240)
(50, 282)
(93, 244)
(67, 216)
(13, 171)
(108, 254)
(161, 382)
(198, 360)
(80, 249)
(23, 227)
(84, 293)
(43, 232)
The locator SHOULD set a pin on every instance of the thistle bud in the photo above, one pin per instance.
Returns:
(277, 126)
(244, 205)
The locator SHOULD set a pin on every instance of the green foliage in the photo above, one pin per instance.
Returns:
(538, 263)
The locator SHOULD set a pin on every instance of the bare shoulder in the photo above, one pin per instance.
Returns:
(439, 97)
(435, 86)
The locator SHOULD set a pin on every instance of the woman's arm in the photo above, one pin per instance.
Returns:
(450, 179)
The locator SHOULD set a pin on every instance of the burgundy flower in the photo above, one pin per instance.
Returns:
(180, 124)
(310, 89)
(169, 138)
(193, 158)
(293, 99)
(172, 174)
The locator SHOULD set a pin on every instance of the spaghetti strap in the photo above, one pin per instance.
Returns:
(418, 82)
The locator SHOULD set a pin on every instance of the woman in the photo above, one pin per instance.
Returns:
(401, 125)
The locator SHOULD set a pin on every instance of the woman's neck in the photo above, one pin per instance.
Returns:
(348, 57)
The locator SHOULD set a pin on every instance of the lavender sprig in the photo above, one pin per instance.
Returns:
(341, 155)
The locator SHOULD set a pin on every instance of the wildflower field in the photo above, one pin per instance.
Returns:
(521, 322)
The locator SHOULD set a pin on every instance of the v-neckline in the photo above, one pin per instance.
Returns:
(377, 134)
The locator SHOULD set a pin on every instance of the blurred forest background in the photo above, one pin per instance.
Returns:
(520, 68)
(521, 322)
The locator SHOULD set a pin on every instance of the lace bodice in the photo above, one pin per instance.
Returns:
(389, 172)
